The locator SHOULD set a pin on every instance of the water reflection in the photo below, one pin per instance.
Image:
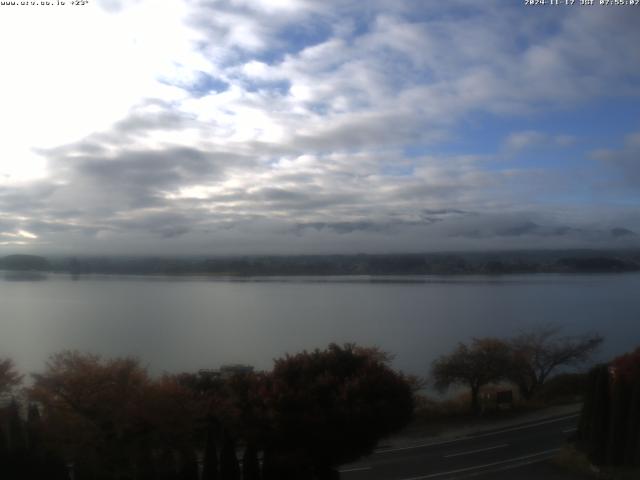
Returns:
(24, 276)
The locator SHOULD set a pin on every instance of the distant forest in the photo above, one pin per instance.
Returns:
(485, 263)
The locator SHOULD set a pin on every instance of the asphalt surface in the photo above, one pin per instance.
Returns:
(521, 451)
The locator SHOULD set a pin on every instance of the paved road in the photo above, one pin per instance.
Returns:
(513, 452)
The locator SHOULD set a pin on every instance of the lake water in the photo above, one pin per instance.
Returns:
(178, 324)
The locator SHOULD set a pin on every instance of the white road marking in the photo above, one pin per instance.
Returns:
(355, 469)
(469, 452)
(569, 430)
(486, 465)
(471, 437)
(504, 468)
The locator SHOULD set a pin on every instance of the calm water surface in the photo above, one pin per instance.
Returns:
(178, 324)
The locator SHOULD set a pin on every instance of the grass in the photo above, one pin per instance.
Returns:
(572, 460)
(436, 415)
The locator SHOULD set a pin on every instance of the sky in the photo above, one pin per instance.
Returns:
(302, 126)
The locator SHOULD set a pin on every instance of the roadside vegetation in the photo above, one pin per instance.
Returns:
(105, 419)
(524, 363)
(606, 445)
(108, 419)
(608, 434)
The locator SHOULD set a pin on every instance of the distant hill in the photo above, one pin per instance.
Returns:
(596, 264)
(459, 263)
(24, 263)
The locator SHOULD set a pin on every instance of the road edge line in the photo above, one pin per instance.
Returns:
(478, 435)
(470, 452)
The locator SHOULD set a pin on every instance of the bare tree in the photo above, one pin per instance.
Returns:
(476, 365)
(535, 354)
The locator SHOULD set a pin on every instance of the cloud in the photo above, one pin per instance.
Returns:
(518, 141)
(618, 232)
(547, 231)
(297, 125)
(625, 160)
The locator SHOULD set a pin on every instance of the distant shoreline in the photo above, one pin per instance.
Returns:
(444, 278)
(362, 265)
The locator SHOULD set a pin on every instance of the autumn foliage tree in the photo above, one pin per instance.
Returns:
(314, 411)
(609, 428)
(9, 377)
(527, 360)
(231, 412)
(91, 406)
(23, 454)
(110, 417)
(482, 362)
(329, 407)
(111, 420)
(11, 428)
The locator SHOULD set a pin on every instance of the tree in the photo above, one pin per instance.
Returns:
(627, 366)
(537, 353)
(210, 460)
(93, 409)
(232, 411)
(625, 370)
(474, 366)
(229, 466)
(329, 407)
(9, 377)
(594, 418)
(609, 428)
(313, 412)
(250, 463)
